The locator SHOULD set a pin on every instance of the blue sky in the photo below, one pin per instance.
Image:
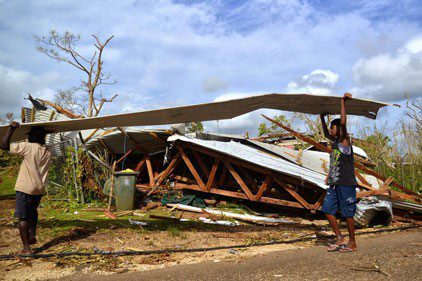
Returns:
(168, 53)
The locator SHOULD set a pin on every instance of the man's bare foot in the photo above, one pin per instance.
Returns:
(32, 241)
(27, 252)
(340, 241)
(351, 247)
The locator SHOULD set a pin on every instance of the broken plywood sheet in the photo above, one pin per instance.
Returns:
(304, 103)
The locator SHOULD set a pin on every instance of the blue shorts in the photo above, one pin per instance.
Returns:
(340, 198)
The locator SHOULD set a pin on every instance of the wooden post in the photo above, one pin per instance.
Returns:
(150, 171)
(113, 169)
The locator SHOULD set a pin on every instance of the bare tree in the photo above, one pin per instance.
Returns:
(7, 118)
(62, 48)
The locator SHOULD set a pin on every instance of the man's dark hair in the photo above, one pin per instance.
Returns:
(335, 122)
(37, 135)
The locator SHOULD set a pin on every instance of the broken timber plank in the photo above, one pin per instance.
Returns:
(150, 171)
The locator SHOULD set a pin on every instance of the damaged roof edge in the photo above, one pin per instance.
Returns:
(220, 110)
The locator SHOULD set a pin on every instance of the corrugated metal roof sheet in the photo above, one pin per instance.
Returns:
(116, 141)
(304, 103)
(257, 157)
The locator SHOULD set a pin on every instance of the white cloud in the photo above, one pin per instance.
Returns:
(214, 84)
(168, 53)
(390, 76)
(318, 82)
(16, 84)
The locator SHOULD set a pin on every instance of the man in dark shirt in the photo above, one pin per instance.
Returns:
(341, 194)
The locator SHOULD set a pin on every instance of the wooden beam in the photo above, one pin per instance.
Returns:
(327, 149)
(320, 200)
(150, 171)
(293, 193)
(232, 160)
(222, 177)
(211, 177)
(185, 179)
(140, 165)
(241, 163)
(239, 195)
(264, 186)
(91, 135)
(281, 202)
(248, 178)
(191, 168)
(387, 182)
(169, 169)
(156, 137)
(60, 109)
(362, 179)
(201, 163)
(387, 192)
(126, 155)
(239, 180)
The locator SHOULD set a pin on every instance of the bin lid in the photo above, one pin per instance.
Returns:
(123, 173)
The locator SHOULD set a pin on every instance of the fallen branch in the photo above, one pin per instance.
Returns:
(376, 268)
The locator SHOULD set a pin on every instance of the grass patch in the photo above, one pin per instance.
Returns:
(7, 181)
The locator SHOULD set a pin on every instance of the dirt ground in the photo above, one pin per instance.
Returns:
(398, 256)
(74, 233)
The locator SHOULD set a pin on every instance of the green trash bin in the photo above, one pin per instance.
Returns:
(123, 190)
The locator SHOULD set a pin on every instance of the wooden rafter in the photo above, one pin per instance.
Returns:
(265, 185)
(169, 169)
(293, 193)
(191, 168)
(249, 180)
(239, 180)
(362, 179)
(213, 172)
(126, 155)
(318, 203)
(140, 165)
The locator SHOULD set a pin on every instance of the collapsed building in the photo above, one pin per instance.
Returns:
(258, 170)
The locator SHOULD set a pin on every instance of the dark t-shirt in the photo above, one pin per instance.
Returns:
(342, 170)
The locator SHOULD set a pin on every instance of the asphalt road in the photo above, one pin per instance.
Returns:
(398, 254)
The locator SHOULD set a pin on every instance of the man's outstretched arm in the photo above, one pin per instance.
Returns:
(5, 144)
(344, 136)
